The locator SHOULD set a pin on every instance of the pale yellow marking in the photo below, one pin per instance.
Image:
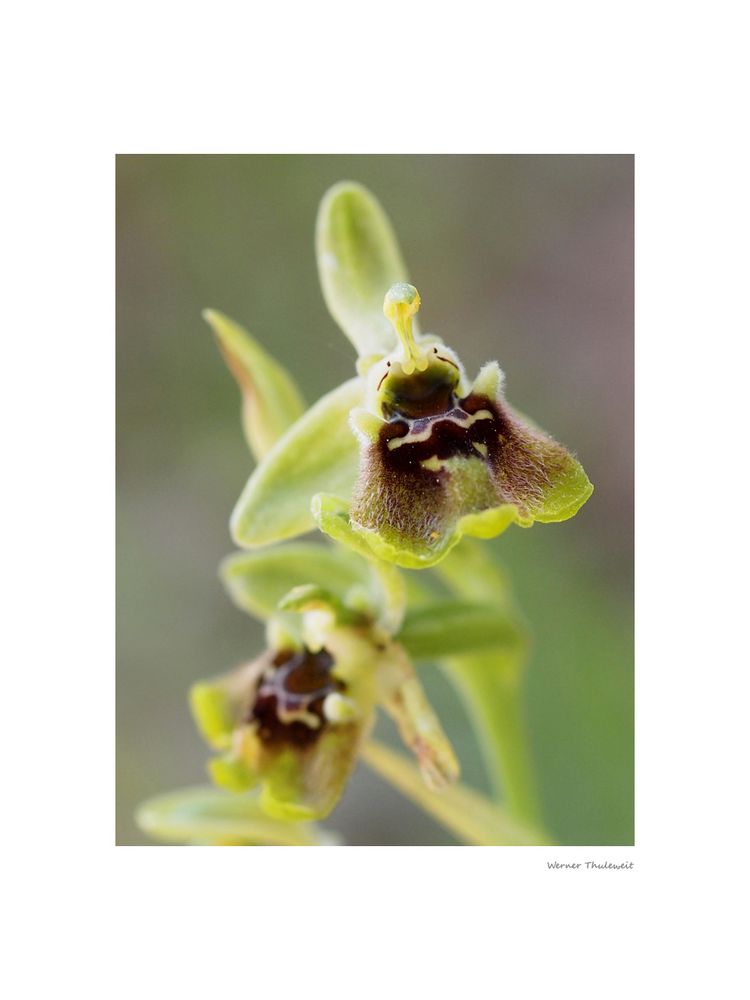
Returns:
(425, 434)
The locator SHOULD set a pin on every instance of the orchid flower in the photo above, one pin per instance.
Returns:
(403, 460)
(295, 717)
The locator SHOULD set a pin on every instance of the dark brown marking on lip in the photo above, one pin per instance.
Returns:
(447, 438)
(447, 361)
(397, 493)
(385, 376)
(295, 681)
(398, 496)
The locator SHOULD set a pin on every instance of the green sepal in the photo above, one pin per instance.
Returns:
(358, 261)
(445, 628)
(317, 452)
(257, 581)
(213, 817)
(271, 401)
(214, 713)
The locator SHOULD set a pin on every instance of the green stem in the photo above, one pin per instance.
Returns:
(490, 684)
(495, 709)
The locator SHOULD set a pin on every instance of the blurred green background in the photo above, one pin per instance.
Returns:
(526, 259)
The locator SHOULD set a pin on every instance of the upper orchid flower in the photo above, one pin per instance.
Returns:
(403, 460)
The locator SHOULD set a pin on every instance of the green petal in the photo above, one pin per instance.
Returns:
(211, 816)
(465, 812)
(444, 628)
(271, 401)
(358, 261)
(318, 452)
(257, 581)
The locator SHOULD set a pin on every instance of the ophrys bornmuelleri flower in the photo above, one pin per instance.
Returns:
(294, 718)
(402, 461)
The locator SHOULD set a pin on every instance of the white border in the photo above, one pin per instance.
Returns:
(86, 80)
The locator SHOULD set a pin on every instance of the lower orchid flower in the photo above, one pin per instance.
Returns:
(295, 718)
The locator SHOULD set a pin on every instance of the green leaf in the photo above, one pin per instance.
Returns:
(358, 261)
(463, 811)
(211, 816)
(444, 628)
(271, 401)
(318, 452)
(257, 581)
